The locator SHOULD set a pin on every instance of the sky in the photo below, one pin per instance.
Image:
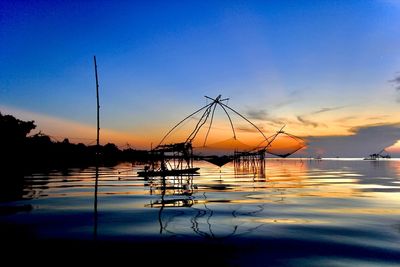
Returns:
(328, 70)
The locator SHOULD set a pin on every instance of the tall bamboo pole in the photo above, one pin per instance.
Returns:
(97, 151)
(98, 106)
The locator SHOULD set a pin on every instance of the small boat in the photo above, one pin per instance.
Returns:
(377, 156)
(148, 173)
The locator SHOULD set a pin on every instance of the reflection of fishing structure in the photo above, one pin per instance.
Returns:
(177, 206)
(177, 158)
(180, 185)
(175, 192)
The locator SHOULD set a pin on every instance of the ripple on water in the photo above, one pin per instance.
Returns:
(293, 212)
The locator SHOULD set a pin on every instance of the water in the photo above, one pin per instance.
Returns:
(293, 212)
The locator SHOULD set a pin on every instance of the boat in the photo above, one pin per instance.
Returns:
(377, 156)
(173, 172)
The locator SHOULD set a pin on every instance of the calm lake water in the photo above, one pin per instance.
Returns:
(290, 213)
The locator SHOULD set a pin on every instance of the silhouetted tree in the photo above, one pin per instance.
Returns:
(14, 130)
(12, 139)
(20, 152)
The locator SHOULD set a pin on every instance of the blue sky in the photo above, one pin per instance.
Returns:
(284, 60)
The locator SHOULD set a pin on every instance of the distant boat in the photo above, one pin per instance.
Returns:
(377, 156)
(173, 172)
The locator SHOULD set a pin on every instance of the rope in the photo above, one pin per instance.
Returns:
(197, 111)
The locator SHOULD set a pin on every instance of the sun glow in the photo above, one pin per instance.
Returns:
(395, 148)
(76, 132)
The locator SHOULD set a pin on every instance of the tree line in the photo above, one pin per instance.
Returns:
(22, 151)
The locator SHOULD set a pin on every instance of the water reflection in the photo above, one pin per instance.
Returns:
(313, 204)
(203, 214)
(376, 176)
(287, 178)
(171, 185)
(177, 192)
(232, 201)
(250, 165)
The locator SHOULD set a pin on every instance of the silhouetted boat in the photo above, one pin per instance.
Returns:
(147, 173)
(377, 156)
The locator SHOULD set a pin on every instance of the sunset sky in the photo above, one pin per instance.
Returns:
(329, 70)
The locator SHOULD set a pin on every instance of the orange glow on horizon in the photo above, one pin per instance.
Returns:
(395, 149)
(219, 137)
(76, 132)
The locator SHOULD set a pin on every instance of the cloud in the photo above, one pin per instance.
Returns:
(378, 117)
(292, 97)
(396, 82)
(345, 119)
(375, 126)
(250, 129)
(262, 114)
(365, 141)
(284, 103)
(307, 122)
(322, 110)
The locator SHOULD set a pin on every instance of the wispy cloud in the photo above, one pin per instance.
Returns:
(250, 129)
(378, 117)
(262, 114)
(345, 119)
(257, 114)
(307, 122)
(292, 97)
(396, 82)
(323, 110)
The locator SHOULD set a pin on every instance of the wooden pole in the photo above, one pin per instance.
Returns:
(98, 105)
(97, 152)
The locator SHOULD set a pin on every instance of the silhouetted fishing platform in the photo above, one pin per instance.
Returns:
(177, 158)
